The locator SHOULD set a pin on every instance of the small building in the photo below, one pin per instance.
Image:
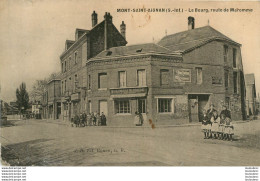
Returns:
(51, 100)
(250, 94)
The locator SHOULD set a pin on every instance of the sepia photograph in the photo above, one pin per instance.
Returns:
(129, 83)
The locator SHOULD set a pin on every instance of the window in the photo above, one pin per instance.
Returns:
(141, 106)
(164, 75)
(65, 86)
(234, 57)
(199, 75)
(141, 78)
(122, 78)
(75, 82)
(70, 84)
(122, 106)
(65, 68)
(76, 57)
(235, 82)
(225, 53)
(165, 105)
(226, 79)
(62, 68)
(89, 107)
(89, 81)
(70, 63)
(102, 80)
(62, 87)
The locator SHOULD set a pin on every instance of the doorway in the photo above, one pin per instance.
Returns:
(103, 107)
(197, 102)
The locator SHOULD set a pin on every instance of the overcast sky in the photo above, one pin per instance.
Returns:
(33, 33)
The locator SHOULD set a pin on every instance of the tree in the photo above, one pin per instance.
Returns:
(22, 98)
(39, 87)
(38, 90)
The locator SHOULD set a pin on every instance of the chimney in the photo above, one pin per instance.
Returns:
(122, 29)
(94, 18)
(191, 23)
(108, 19)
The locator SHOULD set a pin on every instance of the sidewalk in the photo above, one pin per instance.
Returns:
(66, 123)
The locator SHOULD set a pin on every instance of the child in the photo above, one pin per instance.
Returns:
(215, 120)
(229, 129)
(205, 124)
(221, 126)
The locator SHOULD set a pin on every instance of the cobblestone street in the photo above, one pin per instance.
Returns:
(41, 143)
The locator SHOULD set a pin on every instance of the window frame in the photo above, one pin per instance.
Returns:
(119, 83)
(118, 109)
(137, 78)
(234, 57)
(225, 53)
(172, 98)
(99, 83)
(197, 75)
(161, 82)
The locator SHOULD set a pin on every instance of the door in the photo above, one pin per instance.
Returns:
(193, 108)
(203, 100)
(103, 107)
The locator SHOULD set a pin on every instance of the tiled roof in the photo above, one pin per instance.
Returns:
(189, 39)
(249, 79)
(132, 50)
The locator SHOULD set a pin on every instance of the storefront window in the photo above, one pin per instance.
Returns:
(122, 106)
(164, 105)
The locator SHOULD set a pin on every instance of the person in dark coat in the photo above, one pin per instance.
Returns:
(226, 112)
(103, 119)
(210, 111)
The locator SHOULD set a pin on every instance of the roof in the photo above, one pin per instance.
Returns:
(189, 39)
(88, 32)
(138, 49)
(249, 79)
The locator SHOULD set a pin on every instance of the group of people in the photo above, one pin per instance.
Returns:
(90, 119)
(217, 126)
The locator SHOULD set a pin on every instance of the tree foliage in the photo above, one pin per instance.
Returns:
(22, 97)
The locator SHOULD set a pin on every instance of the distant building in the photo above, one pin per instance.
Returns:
(36, 107)
(250, 94)
(51, 101)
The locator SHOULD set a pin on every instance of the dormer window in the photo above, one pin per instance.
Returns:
(139, 50)
(109, 53)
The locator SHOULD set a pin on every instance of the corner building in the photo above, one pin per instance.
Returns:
(170, 82)
(74, 76)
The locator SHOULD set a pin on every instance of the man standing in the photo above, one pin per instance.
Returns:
(103, 119)
(226, 112)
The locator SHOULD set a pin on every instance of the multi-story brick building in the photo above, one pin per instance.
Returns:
(250, 94)
(170, 82)
(87, 44)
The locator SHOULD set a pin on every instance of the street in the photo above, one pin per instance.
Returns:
(43, 143)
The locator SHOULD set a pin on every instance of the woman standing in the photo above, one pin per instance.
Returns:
(215, 120)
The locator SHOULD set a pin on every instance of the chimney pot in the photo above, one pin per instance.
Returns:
(94, 18)
(122, 29)
(191, 23)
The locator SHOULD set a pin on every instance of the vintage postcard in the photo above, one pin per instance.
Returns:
(129, 83)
